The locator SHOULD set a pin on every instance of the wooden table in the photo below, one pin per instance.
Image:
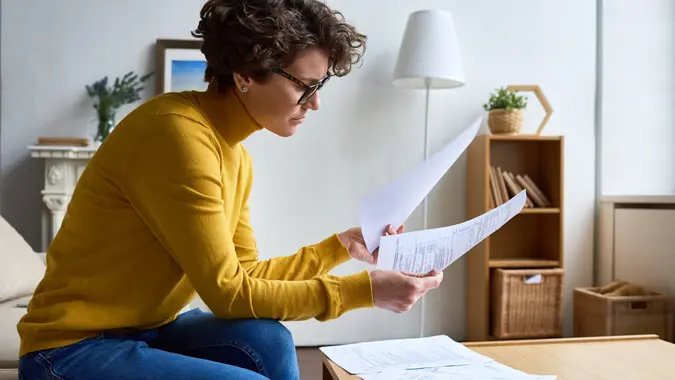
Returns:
(638, 357)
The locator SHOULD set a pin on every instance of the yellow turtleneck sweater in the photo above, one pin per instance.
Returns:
(161, 212)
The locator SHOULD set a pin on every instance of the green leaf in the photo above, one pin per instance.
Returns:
(504, 99)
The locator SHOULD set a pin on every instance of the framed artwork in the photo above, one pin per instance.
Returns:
(180, 66)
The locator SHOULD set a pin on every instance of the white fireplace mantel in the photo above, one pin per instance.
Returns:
(63, 167)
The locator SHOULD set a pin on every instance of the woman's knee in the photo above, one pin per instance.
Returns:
(262, 345)
(281, 360)
(274, 334)
(274, 344)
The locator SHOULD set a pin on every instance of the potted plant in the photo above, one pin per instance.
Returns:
(505, 111)
(125, 90)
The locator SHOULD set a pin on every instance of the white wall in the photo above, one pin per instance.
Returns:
(638, 93)
(371, 131)
(50, 51)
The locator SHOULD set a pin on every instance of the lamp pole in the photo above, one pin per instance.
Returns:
(426, 147)
(425, 202)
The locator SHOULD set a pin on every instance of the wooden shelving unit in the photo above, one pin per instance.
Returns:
(532, 239)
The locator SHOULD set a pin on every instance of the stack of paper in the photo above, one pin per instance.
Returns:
(433, 358)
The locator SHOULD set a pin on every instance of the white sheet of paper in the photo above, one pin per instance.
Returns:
(393, 204)
(466, 373)
(476, 371)
(374, 357)
(421, 251)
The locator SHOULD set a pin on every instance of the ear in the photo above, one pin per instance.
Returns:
(242, 81)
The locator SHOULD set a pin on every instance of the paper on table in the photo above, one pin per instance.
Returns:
(469, 372)
(421, 251)
(403, 374)
(394, 203)
(486, 370)
(489, 370)
(373, 357)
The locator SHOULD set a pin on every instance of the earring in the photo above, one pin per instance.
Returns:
(244, 89)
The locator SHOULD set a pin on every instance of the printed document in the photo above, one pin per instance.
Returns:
(394, 203)
(431, 358)
(374, 357)
(470, 372)
(421, 251)
(489, 370)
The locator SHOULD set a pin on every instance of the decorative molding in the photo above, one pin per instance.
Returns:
(58, 182)
(54, 174)
(542, 99)
(56, 202)
(63, 152)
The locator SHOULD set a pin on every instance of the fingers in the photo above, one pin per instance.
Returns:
(431, 282)
(391, 231)
(431, 273)
(399, 291)
(410, 274)
(417, 287)
(425, 282)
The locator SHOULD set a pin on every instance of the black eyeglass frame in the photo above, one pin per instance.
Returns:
(310, 90)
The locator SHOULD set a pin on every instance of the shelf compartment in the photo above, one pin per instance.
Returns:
(540, 160)
(527, 237)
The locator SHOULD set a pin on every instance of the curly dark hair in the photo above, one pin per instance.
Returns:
(252, 37)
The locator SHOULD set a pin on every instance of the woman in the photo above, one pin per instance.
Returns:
(161, 214)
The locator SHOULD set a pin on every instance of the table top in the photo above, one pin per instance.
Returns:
(598, 358)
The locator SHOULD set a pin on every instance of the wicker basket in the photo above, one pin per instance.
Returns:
(596, 314)
(527, 303)
(503, 121)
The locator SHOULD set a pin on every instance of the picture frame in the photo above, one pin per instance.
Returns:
(180, 66)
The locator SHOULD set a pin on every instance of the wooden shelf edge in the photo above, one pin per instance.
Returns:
(492, 341)
(540, 210)
(524, 137)
(523, 263)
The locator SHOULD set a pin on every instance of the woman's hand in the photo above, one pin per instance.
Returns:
(398, 291)
(356, 245)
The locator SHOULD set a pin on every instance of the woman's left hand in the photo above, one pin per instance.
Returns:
(356, 245)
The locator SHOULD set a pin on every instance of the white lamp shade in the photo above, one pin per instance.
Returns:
(429, 54)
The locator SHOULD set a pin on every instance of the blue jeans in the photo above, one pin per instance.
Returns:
(196, 345)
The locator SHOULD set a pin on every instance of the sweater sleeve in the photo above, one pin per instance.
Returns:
(174, 181)
(308, 262)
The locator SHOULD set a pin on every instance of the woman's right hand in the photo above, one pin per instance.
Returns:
(398, 291)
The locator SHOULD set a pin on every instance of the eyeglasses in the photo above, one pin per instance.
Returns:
(310, 90)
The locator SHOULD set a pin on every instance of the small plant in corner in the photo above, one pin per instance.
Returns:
(505, 99)
(505, 111)
(125, 90)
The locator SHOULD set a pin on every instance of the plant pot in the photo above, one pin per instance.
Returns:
(505, 122)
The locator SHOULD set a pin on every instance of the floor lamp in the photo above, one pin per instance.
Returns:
(429, 58)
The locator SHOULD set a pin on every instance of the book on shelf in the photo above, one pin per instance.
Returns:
(504, 185)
